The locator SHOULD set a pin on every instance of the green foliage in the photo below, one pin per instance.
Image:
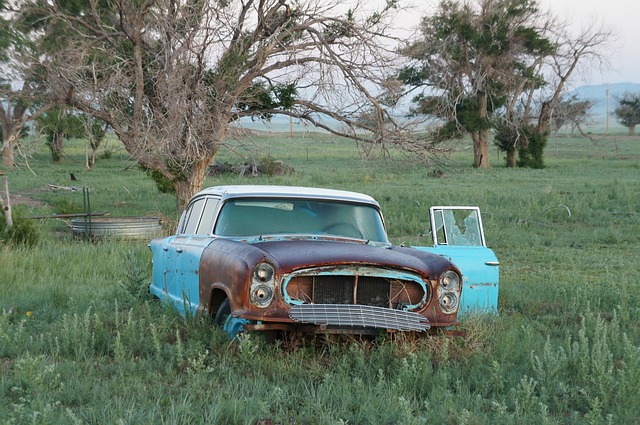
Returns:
(471, 57)
(58, 124)
(68, 204)
(106, 154)
(628, 110)
(262, 100)
(506, 138)
(527, 141)
(134, 282)
(469, 116)
(531, 154)
(163, 184)
(7, 35)
(97, 131)
(23, 232)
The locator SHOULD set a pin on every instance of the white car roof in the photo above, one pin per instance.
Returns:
(227, 192)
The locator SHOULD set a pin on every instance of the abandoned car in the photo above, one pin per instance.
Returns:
(261, 258)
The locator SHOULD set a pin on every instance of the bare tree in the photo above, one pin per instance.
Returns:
(573, 112)
(17, 108)
(573, 52)
(95, 130)
(169, 76)
(586, 48)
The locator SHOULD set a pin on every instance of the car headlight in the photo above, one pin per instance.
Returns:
(263, 273)
(448, 302)
(450, 281)
(262, 283)
(449, 291)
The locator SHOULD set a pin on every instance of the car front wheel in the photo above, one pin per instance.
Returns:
(230, 324)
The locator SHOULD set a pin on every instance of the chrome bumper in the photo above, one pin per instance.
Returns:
(359, 316)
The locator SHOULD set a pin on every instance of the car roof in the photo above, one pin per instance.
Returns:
(242, 191)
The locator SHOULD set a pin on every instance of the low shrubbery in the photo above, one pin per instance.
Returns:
(23, 232)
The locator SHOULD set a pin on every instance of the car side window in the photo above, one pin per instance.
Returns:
(205, 227)
(199, 217)
(193, 216)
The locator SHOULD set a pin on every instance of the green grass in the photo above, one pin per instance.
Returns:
(81, 342)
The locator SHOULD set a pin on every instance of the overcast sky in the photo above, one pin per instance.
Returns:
(623, 18)
(620, 16)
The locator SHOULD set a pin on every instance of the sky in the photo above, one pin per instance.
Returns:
(620, 16)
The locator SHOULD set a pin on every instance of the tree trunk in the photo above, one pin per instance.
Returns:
(94, 155)
(544, 118)
(8, 148)
(6, 204)
(57, 144)
(185, 189)
(511, 158)
(632, 130)
(90, 158)
(481, 137)
(481, 148)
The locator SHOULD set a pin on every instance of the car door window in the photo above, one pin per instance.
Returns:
(205, 226)
(193, 216)
(457, 226)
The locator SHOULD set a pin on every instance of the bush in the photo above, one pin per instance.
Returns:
(531, 155)
(163, 184)
(23, 231)
(67, 205)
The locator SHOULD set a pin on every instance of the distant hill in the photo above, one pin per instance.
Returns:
(598, 93)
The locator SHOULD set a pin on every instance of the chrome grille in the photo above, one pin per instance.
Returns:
(357, 289)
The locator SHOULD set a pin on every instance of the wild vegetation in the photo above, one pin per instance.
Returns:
(81, 341)
(628, 110)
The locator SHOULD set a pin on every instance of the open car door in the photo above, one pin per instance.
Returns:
(458, 235)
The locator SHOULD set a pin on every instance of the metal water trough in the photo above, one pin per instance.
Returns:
(129, 228)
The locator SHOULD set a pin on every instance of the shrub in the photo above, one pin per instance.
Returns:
(67, 205)
(23, 231)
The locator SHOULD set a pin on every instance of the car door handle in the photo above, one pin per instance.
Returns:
(179, 250)
(492, 263)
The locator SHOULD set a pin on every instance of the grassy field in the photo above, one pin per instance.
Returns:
(81, 342)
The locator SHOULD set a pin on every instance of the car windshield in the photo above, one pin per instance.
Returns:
(283, 216)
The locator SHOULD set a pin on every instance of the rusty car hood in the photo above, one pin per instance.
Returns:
(295, 254)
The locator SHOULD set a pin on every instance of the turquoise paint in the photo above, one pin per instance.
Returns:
(175, 279)
(480, 281)
(233, 326)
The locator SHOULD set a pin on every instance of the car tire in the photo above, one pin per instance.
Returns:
(223, 312)
(230, 324)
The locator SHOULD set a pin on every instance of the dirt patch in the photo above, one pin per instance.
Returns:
(26, 201)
